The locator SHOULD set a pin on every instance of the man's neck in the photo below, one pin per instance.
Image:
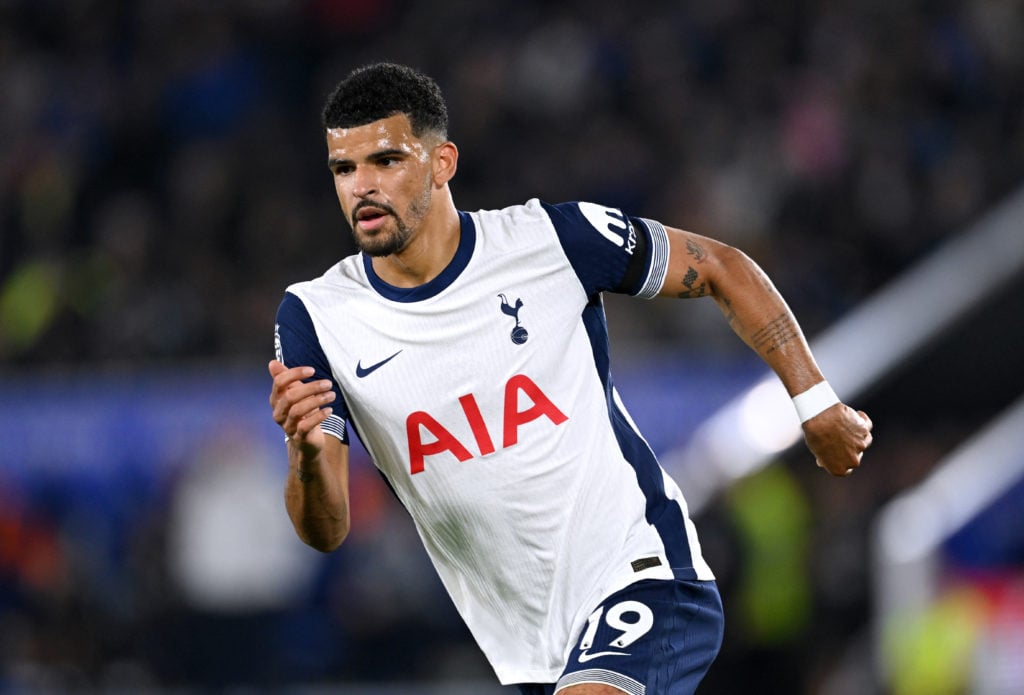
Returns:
(428, 253)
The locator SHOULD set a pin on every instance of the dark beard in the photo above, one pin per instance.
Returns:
(386, 244)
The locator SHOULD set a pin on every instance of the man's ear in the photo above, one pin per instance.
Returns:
(445, 162)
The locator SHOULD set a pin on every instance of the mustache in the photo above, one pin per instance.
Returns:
(370, 204)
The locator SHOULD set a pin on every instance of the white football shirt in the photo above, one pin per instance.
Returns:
(485, 398)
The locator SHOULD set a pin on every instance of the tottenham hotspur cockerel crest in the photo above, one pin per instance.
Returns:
(519, 334)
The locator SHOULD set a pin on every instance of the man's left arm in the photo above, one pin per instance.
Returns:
(699, 266)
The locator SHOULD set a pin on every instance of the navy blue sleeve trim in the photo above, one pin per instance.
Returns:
(636, 271)
(297, 344)
(656, 255)
(607, 249)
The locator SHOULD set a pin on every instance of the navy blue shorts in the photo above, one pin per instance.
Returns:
(655, 637)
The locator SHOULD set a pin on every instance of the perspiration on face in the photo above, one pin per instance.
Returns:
(383, 179)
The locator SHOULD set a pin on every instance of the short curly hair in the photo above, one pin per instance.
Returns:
(380, 90)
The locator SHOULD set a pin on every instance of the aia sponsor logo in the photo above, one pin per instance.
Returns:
(429, 437)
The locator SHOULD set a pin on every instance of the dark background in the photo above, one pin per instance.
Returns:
(163, 180)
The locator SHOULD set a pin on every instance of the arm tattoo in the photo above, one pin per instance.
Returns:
(692, 288)
(777, 333)
(694, 249)
(691, 276)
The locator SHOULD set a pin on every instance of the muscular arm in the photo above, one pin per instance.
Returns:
(316, 491)
(698, 267)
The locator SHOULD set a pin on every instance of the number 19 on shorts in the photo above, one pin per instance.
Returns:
(628, 620)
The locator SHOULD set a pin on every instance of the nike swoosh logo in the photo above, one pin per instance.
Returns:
(585, 657)
(362, 371)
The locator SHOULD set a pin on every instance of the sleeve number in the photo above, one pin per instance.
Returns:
(632, 619)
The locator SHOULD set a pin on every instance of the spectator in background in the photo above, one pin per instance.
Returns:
(232, 563)
(787, 121)
(920, 116)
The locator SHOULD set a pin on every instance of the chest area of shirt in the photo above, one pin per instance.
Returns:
(496, 314)
(498, 347)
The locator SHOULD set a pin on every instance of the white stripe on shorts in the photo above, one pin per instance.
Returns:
(600, 675)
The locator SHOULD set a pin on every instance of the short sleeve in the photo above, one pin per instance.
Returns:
(296, 344)
(611, 251)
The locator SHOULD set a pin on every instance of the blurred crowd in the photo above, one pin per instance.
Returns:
(163, 167)
(164, 179)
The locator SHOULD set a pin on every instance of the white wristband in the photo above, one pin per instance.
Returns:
(814, 400)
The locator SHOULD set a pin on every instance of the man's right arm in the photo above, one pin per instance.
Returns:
(316, 491)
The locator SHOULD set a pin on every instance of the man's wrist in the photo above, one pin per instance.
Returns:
(814, 401)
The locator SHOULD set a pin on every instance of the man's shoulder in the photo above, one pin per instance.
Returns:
(347, 275)
(344, 272)
(565, 213)
(534, 213)
(534, 207)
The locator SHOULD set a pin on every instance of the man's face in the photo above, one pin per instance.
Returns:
(383, 178)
